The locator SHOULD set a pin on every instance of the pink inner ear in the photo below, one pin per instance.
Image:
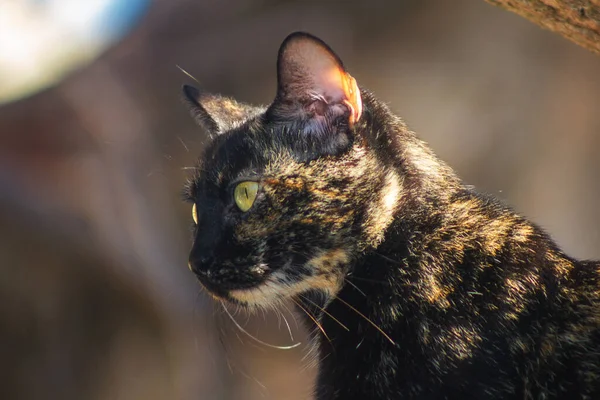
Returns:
(335, 85)
(309, 70)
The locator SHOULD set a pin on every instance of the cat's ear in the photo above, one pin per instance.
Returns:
(312, 83)
(215, 113)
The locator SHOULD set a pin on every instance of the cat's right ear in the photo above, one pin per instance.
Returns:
(215, 113)
(313, 86)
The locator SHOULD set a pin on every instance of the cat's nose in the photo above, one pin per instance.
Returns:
(201, 265)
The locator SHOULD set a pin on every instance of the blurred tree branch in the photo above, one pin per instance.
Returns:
(577, 20)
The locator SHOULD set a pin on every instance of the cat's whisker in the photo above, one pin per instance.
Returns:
(183, 144)
(237, 311)
(388, 258)
(354, 286)
(291, 313)
(313, 319)
(255, 338)
(368, 280)
(225, 349)
(325, 312)
(155, 171)
(259, 383)
(313, 362)
(196, 301)
(287, 325)
(231, 365)
(187, 73)
(239, 338)
(262, 309)
(278, 315)
(314, 347)
(367, 319)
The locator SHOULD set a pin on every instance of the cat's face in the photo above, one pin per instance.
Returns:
(285, 197)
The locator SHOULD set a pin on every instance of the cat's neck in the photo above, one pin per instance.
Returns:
(427, 189)
(426, 177)
(358, 330)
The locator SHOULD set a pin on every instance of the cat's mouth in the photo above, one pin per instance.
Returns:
(223, 281)
(259, 285)
(253, 286)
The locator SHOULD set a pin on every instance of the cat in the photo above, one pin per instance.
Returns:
(416, 285)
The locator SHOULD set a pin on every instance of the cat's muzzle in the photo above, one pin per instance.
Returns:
(220, 278)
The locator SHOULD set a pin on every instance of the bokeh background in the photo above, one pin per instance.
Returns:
(96, 301)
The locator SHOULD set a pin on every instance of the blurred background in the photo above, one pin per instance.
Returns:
(96, 301)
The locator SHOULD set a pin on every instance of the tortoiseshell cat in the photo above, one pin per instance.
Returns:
(421, 287)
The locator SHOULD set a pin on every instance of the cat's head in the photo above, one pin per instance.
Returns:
(286, 196)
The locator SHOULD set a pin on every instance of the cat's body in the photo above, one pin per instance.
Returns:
(416, 286)
(493, 311)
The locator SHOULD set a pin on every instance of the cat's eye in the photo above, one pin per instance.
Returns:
(195, 214)
(245, 194)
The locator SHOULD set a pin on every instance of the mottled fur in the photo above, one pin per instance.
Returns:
(431, 290)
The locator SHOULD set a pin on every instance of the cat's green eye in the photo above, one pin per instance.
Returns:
(245, 194)
(194, 214)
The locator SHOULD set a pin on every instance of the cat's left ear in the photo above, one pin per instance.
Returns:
(313, 85)
(215, 113)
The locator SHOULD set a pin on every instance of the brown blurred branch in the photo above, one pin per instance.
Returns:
(577, 20)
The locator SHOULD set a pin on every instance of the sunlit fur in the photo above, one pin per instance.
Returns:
(421, 287)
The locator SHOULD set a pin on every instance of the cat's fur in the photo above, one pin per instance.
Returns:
(431, 290)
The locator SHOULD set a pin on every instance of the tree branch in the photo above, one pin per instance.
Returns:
(577, 20)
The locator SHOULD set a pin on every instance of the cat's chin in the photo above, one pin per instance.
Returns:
(258, 296)
(234, 296)
(270, 291)
(226, 292)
